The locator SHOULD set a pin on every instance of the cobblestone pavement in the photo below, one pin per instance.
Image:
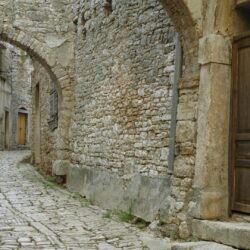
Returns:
(36, 215)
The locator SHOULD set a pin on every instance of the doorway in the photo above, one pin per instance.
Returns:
(6, 130)
(22, 128)
(240, 127)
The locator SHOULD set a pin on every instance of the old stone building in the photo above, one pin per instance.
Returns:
(15, 125)
(5, 103)
(123, 95)
(134, 120)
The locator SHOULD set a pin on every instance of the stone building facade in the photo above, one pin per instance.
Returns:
(16, 69)
(5, 102)
(123, 95)
(44, 136)
(112, 64)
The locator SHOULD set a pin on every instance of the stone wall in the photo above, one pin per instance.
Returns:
(5, 101)
(124, 67)
(42, 137)
(21, 69)
(124, 64)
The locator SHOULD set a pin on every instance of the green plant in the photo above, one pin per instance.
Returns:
(127, 216)
(80, 198)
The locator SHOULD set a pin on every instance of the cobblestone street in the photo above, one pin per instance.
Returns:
(37, 215)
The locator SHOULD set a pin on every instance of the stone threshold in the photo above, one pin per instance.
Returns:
(231, 233)
(166, 244)
(241, 217)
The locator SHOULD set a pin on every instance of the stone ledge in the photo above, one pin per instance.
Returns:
(60, 167)
(146, 196)
(201, 245)
(233, 234)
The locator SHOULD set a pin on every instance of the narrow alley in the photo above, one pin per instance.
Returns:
(124, 124)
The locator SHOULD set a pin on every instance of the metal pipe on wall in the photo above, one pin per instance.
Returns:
(177, 76)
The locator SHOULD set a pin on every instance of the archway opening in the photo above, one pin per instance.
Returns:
(27, 110)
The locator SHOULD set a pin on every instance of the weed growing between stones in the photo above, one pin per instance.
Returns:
(127, 217)
(84, 202)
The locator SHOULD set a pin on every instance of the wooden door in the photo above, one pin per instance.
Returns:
(240, 126)
(22, 127)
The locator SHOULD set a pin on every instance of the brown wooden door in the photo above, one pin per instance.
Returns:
(240, 126)
(22, 125)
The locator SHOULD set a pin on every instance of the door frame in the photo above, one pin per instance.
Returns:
(37, 125)
(7, 129)
(233, 123)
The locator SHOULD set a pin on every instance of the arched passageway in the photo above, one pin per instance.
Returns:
(58, 78)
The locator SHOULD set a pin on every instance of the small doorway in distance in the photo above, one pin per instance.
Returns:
(22, 128)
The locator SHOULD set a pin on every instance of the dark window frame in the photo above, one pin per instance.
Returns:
(53, 101)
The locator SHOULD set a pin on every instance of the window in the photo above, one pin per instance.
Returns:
(53, 123)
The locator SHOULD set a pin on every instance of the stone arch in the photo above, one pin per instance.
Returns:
(184, 163)
(59, 75)
(184, 23)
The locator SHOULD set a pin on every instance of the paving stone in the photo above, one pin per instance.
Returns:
(36, 216)
(41, 216)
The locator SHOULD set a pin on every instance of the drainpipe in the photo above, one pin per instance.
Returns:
(177, 76)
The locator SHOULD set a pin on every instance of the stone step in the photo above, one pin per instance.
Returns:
(166, 244)
(235, 234)
(201, 245)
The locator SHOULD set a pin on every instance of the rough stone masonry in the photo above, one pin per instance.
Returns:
(120, 131)
(112, 64)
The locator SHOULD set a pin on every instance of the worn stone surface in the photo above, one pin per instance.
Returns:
(36, 215)
(234, 234)
(203, 245)
(144, 196)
